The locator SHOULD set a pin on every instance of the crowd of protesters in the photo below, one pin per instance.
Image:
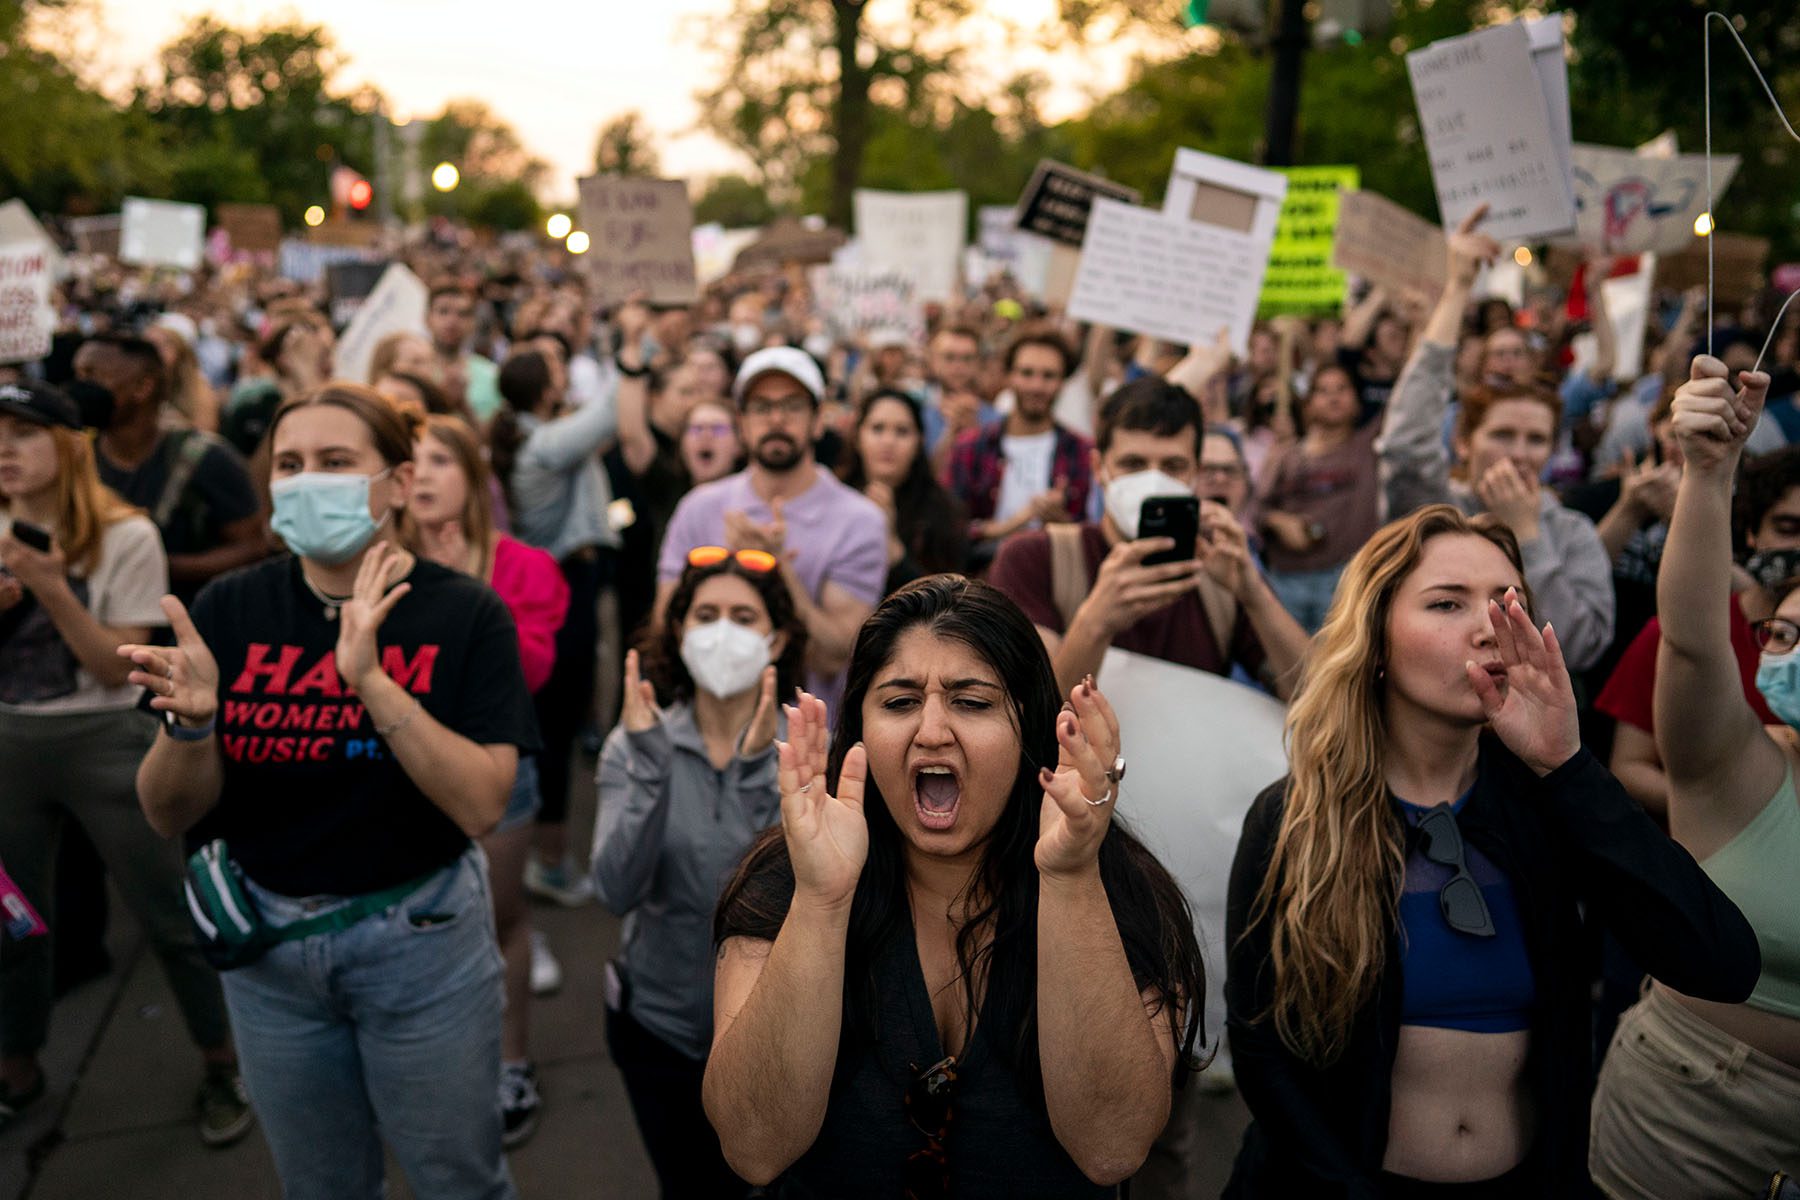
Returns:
(826, 612)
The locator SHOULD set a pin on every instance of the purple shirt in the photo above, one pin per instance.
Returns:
(839, 534)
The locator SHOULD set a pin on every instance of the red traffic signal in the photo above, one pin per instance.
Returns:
(360, 194)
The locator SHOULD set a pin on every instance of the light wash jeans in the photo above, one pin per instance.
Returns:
(1306, 594)
(388, 1030)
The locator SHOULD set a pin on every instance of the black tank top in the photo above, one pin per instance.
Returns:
(1000, 1143)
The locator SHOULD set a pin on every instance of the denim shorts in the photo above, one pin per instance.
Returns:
(523, 804)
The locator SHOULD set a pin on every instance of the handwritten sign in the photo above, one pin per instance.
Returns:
(162, 233)
(1056, 202)
(17, 224)
(1631, 203)
(641, 235)
(858, 300)
(1301, 277)
(396, 305)
(1387, 244)
(1166, 277)
(27, 320)
(251, 228)
(1551, 65)
(918, 233)
(1491, 140)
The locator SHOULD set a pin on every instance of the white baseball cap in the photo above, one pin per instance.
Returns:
(796, 364)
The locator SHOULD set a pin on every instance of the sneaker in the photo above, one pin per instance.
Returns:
(519, 1103)
(546, 972)
(13, 1103)
(557, 884)
(225, 1112)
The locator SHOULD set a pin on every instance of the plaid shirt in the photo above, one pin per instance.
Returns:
(977, 465)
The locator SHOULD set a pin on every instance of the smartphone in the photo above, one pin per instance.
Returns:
(35, 536)
(1175, 517)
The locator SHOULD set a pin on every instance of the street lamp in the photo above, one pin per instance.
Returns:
(577, 243)
(315, 216)
(445, 177)
(558, 226)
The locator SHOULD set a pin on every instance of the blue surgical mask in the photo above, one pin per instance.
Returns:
(323, 515)
(1778, 679)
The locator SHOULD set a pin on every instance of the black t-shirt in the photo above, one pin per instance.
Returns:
(218, 491)
(313, 803)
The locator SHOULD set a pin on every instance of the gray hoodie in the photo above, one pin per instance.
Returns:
(1566, 565)
(671, 831)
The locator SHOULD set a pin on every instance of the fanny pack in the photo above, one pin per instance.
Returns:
(231, 929)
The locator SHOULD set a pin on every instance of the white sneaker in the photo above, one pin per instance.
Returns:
(557, 883)
(546, 972)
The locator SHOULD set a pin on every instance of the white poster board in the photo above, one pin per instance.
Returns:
(1552, 67)
(1200, 749)
(18, 224)
(920, 233)
(397, 305)
(27, 320)
(162, 233)
(1166, 276)
(1491, 141)
(716, 248)
(1631, 203)
(1628, 310)
(859, 300)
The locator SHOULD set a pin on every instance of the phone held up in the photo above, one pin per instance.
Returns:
(1176, 517)
(35, 536)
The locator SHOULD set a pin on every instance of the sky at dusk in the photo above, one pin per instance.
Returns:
(555, 70)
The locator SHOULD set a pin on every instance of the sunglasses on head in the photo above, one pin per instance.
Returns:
(759, 561)
(928, 1107)
(1465, 909)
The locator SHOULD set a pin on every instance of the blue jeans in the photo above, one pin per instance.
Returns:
(1306, 594)
(523, 803)
(391, 1025)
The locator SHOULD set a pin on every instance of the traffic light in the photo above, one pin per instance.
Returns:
(361, 193)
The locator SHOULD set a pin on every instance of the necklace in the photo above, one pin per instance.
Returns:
(331, 603)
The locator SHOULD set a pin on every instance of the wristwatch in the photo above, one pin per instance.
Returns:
(188, 733)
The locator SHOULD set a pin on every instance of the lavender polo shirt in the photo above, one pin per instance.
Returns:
(840, 536)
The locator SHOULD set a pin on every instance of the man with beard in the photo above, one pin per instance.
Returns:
(1024, 469)
(828, 540)
(450, 319)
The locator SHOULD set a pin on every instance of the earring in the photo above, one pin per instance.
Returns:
(1380, 673)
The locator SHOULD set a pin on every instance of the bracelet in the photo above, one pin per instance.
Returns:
(188, 733)
(637, 372)
(397, 726)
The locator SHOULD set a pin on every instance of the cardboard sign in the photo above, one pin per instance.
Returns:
(1056, 202)
(1739, 262)
(1387, 244)
(162, 233)
(919, 233)
(397, 305)
(1167, 277)
(641, 235)
(251, 228)
(1201, 748)
(27, 320)
(1628, 203)
(1491, 141)
(858, 300)
(97, 235)
(1301, 278)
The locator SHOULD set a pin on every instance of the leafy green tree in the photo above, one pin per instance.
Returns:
(626, 146)
(499, 173)
(734, 202)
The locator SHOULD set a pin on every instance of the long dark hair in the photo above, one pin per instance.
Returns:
(522, 382)
(931, 523)
(997, 945)
(660, 644)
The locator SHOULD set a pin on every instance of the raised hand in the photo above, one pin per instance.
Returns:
(369, 604)
(639, 711)
(183, 678)
(1080, 795)
(827, 836)
(1533, 711)
(761, 730)
(1225, 549)
(1511, 496)
(1467, 251)
(1712, 422)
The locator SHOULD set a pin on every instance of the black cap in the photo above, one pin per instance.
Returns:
(39, 402)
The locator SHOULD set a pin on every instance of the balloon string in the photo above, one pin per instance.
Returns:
(1706, 25)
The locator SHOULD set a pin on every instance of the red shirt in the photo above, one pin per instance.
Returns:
(1628, 695)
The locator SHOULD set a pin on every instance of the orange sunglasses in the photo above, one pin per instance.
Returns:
(759, 561)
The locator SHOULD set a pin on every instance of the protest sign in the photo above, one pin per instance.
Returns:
(1167, 277)
(919, 233)
(354, 279)
(1225, 193)
(716, 248)
(642, 238)
(1551, 65)
(17, 224)
(97, 235)
(1201, 748)
(27, 320)
(1739, 261)
(1300, 278)
(858, 300)
(397, 305)
(1629, 203)
(1491, 141)
(1056, 202)
(1627, 300)
(1388, 245)
(305, 262)
(251, 228)
(162, 233)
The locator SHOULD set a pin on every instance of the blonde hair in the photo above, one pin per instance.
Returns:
(85, 507)
(1333, 883)
(478, 507)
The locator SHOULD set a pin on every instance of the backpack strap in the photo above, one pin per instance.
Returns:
(1068, 570)
(190, 446)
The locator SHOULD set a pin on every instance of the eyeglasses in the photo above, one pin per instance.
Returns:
(1221, 471)
(1464, 907)
(759, 561)
(787, 406)
(709, 429)
(928, 1107)
(1776, 635)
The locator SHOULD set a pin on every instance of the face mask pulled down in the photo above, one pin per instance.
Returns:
(324, 516)
(1125, 496)
(725, 658)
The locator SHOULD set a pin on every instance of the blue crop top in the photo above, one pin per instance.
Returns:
(1457, 980)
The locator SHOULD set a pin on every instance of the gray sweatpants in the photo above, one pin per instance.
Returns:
(84, 765)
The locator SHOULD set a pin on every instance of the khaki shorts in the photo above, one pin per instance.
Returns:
(1685, 1111)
